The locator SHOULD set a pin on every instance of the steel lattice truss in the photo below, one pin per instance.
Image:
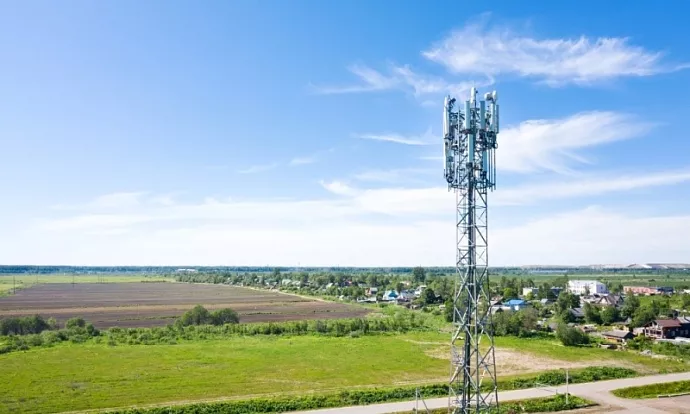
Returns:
(469, 143)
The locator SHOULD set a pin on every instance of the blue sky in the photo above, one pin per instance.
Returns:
(308, 132)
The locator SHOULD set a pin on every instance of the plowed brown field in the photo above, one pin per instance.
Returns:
(158, 304)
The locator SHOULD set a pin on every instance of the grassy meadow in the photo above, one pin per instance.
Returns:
(94, 375)
(654, 390)
(75, 377)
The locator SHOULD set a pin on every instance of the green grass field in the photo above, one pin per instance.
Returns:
(74, 377)
(86, 376)
(654, 390)
(23, 281)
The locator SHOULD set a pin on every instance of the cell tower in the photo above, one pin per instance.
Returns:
(469, 143)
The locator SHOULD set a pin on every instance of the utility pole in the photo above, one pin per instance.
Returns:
(566, 386)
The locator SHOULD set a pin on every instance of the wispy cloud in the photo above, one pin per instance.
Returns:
(108, 201)
(425, 139)
(396, 175)
(383, 226)
(431, 158)
(258, 168)
(603, 183)
(302, 160)
(338, 187)
(401, 78)
(555, 145)
(371, 80)
(480, 49)
(593, 235)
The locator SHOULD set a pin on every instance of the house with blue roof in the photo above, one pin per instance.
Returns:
(516, 304)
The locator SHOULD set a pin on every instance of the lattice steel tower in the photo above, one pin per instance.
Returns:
(469, 143)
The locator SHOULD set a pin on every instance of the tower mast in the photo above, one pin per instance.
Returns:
(469, 143)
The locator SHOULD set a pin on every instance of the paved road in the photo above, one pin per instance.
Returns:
(595, 391)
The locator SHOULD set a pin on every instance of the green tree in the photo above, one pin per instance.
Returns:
(428, 296)
(630, 306)
(609, 315)
(196, 316)
(75, 323)
(418, 274)
(224, 316)
(567, 301)
(565, 316)
(685, 301)
(399, 287)
(570, 336)
(448, 311)
(528, 319)
(592, 314)
(304, 278)
(643, 315)
(509, 293)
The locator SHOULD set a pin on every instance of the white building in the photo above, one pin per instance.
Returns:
(526, 291)
(584, 287)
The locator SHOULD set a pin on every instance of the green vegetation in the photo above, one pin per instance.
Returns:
(26, 325)
(76, 331)
(127, 375)
(558, 377)
(201, 316)
(521, 323)
(570, 336)
(186, 329)
(39, 381)
(534, 405)
(345, 398)
(654, 390)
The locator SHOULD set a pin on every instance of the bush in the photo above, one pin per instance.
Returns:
(225, 316)
(201, 316)
(23, 326)
(570, 336)
(75, 323)
(351, 398)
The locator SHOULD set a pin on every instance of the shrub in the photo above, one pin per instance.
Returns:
(570, 336)
(225, 316)
(23, 326)
(75, 323)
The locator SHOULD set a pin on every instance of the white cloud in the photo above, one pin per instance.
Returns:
(258, 168)
(338, 187)
(553, 145)
(586, 236)
(401, 78)
(396, 175)
(372, 80)
(593, 235)
(587, 187)
(302, 160)
(108, 201)
(383, 227)
(477, 48)
(427, 138)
